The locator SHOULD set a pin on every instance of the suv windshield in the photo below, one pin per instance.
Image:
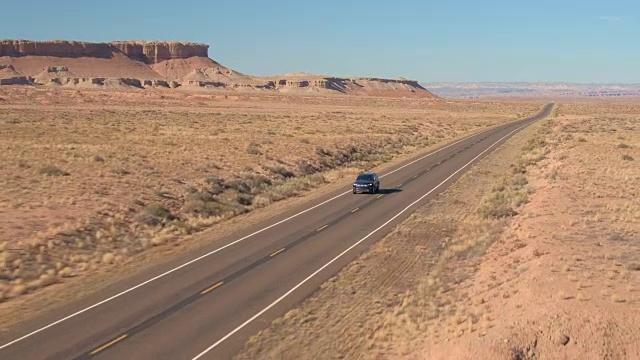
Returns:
(365, 177)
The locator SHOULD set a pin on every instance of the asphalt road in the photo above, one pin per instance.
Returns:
(206, 305)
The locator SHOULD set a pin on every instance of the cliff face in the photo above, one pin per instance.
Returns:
(9, 76)
(353, 86)
(124, 59)
(72, 49)
(153, 52)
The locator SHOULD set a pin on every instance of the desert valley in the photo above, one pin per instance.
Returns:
(118, 158)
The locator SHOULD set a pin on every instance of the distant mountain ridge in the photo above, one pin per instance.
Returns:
(167, 64)
(531, 89)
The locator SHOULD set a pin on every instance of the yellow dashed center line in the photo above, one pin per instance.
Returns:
(277, 252)
(322, 228)
(354, 210)
(379, 196)
(107, 345)
(212, 288)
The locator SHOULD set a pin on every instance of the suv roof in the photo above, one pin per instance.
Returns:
(367, 174)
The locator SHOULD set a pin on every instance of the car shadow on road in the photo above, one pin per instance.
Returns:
(389, 191)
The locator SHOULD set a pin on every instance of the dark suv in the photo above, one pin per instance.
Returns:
(367, 182)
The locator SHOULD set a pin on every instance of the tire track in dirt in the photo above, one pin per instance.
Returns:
(385, 291)
(384, 281)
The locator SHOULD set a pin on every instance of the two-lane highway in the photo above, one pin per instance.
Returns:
(206, 305)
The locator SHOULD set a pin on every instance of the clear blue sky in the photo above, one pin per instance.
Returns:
(540, 40)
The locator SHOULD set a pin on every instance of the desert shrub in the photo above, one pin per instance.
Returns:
(497, 206)
(305, 168)
(195, 195)
(194, 207)
(281, 171)
(163, 194)
(215, 185)
(520, 167)
(254, 149)
(244, 199)
(623, 146)
(520, 198)
(566, 137)
(616, 237)
(293, 187)
(507, 195)
(518, 181)
(499, 187)
(535, 143)
(322, 151)
(256, 182)
(627, 157)
(250, 184)
(53, 171)
(154, 214)
(546, 128)
(195, 203)
(206, 208)
(121, 171)
(238, 185)
(204, 204)
(345, 155)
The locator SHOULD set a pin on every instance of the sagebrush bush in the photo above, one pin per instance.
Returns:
(216, 185)
(293, 187)
(322, 151)
(249, 184)
(281, 171)
(53, 171)
(305, 168)
(497, 206)
(518, 181)
(154, 214)
(254, 149)
(534, 143)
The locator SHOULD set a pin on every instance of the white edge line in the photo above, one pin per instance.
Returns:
(222, 248)
(346, 251)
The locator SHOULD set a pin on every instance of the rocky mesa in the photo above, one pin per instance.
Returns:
(153, 52)
(22, 48)
(166, 64)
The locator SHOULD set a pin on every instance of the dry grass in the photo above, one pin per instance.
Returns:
(550, 245)
(128, 171)
(449, 234)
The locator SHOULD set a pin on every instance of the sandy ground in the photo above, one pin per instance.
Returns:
(97, 184)
(531, 255)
